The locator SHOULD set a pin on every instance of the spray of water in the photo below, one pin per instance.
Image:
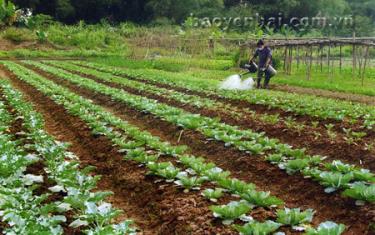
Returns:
(235, 82)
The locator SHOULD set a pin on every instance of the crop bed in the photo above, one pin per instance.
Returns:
(179, 157)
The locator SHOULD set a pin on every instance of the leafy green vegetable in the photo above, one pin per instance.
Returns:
(361, 192)
(257, 228)
(327, 228)
(262, 199)
(294, 216)
(231, 211)
(213, 194)
(335, 180)
(190, 182)
(236, 186)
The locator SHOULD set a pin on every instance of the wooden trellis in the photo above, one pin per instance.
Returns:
(315, 49)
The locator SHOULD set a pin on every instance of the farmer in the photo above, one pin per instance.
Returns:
(265, 60)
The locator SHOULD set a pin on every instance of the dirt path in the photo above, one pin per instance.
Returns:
(156, 208)
(370, 100)
(294, 190)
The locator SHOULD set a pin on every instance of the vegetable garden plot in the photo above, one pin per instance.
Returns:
(349, 148)
(69, 202)
(228, 212)
(357, 183)
(170, 168)
(149, 203)
(312, 106)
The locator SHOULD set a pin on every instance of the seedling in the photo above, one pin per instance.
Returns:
(234, 210)
(325, 228)
(261, 199)
(254, 227)
(213, 194)
(294, 216)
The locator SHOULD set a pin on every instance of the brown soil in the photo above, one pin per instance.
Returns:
(2, 74)
(338, 150)
(294, 190)
(6, 45)
(326, 93)
(157, 208)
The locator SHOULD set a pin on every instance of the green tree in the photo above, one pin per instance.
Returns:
(65, 10)
(179, 10)
(7, 12)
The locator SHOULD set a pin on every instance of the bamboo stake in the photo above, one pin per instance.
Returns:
(360, 63)
(285, 58)
(317, 58)
(340, 58)
(290, 60)
(311, 61)
(353, 55)
(329, 60)
(333, 66)
(308, 62)
(298, 59)
(321, 58)
(364, 65)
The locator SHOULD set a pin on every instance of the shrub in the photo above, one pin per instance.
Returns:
(17, 35)
(40, 21)
(7, 12)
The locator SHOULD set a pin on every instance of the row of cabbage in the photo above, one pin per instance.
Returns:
(196, 101)
(21, 207)
(191, 171)
(351, 137)
(314, 106)
(356, 182)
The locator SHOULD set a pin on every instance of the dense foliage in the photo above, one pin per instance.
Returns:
(172, 12)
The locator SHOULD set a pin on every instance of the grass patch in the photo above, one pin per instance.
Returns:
(171, 64)
(341, 82)
(18, 36)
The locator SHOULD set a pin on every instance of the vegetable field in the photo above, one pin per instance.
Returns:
(88, 148)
